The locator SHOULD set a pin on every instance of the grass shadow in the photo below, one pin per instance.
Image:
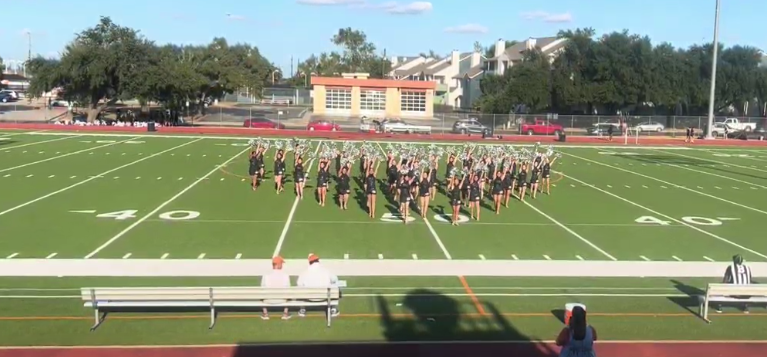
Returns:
(690, 302)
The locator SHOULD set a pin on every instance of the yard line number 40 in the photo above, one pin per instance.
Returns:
(700, 221)
(170, 215)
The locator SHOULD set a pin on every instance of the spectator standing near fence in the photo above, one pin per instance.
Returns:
(577, 339)
(277, 278)
(316, 276)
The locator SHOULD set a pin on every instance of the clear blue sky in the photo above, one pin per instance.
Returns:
(298, 28)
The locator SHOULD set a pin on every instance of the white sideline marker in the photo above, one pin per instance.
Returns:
(238, 256)
(201, 256)
(138, 177)
(514, 256)
(717, 187)
(644, 258)
(579, 257)
(627, 186)
(346, 256)
(380, 256)
(116, 177)
(159, 178)
(546, 257)
(754, 188)
(709, 259)
(643, 186)
(71, 177)
(571, 185)
(609, 186)
(30, 175)
(180, 178)
(735, 188)
(51, 176)
(700, 188)
(51, 255)
(164, 256)
(222, 179)
(126, 256)
(415, 256)
(7, 175)
(481, 257)
(12, 256)
(663, 187)
(676, 258)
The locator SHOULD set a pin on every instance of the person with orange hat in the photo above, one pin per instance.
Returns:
(316, 276)
(277, 278)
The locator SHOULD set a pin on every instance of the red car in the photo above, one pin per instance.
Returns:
(262, 123)
(542, 127)
(322, 125)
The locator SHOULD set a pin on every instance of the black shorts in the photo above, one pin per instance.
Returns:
(497, 192)
(533, 182)
(371, 192)
(455, 203)
(322, 184)
(404, 199)
(522, 184)
(299, 179)
(424, 194)
(474, 198)
(392, 180)
(546, 176)
(343, 191)
(252, 171)
(279, 173)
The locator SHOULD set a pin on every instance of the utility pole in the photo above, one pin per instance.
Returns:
(712, 93)
(29, 52)
(383, 65)
(291, 68)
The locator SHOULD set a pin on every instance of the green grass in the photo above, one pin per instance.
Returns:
(591, 215)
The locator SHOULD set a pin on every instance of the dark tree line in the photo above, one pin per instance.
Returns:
(620, 72)
(108, 62)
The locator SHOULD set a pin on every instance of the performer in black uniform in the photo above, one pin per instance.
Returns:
(546, 173)
(363, 165)
(454, 193)
(424, 186)
(535, 174)
(474, 196)
(392, 171)
(253, 170)
(279, 170)
(465, 181)
(496, 189)
(323, 177)
(522, 180)
(508, 183)
(370, 189)
(344, 187)
(338, 162)
(299, 176)
(449, 169)
(433, 178)
(513, 169)
(404, 197)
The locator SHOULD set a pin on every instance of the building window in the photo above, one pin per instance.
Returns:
(336, 98)
(413, 101)
(372, 100)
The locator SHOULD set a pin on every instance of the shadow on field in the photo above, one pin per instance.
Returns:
(691, 302)
(6, 142)
(686, 162)
(426, 323)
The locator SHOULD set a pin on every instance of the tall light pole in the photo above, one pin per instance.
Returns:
(29, 51)
(712, 93)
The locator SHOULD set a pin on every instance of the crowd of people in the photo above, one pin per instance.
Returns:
(410, 178)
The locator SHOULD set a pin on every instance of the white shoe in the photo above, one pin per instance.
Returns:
(264, 317)
(302, 313)
(334, 312)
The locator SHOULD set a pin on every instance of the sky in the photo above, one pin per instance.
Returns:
(282, 29)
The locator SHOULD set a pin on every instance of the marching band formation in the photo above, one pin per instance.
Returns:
(410, 176)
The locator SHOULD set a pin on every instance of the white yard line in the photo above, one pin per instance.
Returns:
(162, 205)
(670, 184)
(64, 155)
(666, 216)
(568, 230)
(293, 209)
(717, 161)
(428, 224)
(534, 224)
(94, 177)
(41, 142)
(715, 175)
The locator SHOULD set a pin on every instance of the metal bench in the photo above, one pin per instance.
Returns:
(731, 293)
(110, 299)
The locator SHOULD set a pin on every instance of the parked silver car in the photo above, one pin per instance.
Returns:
(466, 126)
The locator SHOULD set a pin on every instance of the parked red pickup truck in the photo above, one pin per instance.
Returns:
(542, 127)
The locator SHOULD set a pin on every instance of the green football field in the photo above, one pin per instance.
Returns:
(77, 197)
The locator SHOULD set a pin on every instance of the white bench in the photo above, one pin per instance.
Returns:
(105, 299)
(729, 293)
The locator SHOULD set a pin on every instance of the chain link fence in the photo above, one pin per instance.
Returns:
(272, 95)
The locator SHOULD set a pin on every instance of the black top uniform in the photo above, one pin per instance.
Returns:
(323, 176)
(455, 196)
(522, 179)
(513, 170)
(534, 175)
(253, 168)
(423, 188)
(338, 162)
(299, 173)
(370, 184)
(474, 192)
(497, 186)
(404, 191)
(433, 176)
(343, 184)
(260, 158)
(506, 182)
(279, 168)
(392, 174)
(449, 168)
(546, 170)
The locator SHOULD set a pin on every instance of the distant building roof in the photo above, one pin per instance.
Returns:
(514, 52)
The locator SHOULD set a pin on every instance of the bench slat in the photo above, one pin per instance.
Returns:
(200, 304)
(204, 294)
(732, 289)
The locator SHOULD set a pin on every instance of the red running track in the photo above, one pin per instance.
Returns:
(340, 135)
(523, 349)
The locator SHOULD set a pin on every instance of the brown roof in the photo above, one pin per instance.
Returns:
(437, 68)
(472, 72)
(423, 67)
(514, 53)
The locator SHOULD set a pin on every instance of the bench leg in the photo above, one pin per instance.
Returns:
(329, 315)
(212, 318)
(98, 319)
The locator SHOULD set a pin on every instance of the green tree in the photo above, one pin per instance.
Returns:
(357, 55)
(2, 69)
(356, 49)
(490, 50)
(99, 67)
(529, 82)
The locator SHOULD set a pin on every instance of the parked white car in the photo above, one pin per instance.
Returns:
(736, 125)
(719, 129)
(400, 126)
(650, 126)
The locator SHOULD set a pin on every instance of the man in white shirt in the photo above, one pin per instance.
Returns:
(277, 278)
(316, 276)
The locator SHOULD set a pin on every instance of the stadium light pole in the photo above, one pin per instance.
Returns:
(712, 93)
